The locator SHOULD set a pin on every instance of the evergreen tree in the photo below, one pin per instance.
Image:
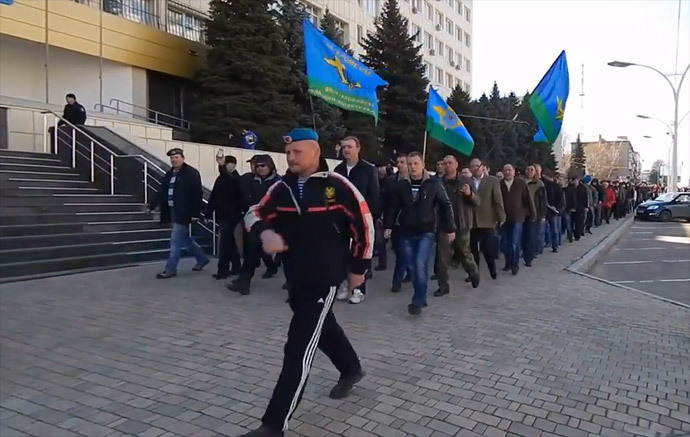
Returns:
(394, 56)
(577, 159)
(246, 82)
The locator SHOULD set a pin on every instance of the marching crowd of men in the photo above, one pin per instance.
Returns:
(459, 215)
(324, 226)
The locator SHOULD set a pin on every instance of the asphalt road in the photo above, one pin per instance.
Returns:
(651, 257)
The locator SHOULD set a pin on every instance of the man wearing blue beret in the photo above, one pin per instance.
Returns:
(322, 226)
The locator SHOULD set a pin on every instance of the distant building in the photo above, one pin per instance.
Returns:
(612, 160)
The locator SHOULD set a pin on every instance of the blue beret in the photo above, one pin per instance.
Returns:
(587, 179)
(301, 134)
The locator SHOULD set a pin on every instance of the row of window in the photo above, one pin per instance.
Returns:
(438, 76)
(416, 32)
(432, 14)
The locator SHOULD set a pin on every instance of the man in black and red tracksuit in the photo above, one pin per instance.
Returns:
(309, 202)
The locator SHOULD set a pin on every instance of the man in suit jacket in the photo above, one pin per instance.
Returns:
(488, 214)
(518, 205)
(364, 177)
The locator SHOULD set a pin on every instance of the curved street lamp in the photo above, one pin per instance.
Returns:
(674, 130)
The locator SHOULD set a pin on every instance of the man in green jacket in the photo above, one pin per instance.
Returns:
(464, 199)
(530, 232)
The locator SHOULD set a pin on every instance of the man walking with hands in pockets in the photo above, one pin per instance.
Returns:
(306, 203)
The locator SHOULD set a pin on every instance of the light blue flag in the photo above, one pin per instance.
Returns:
(337, 77)
(548, 100)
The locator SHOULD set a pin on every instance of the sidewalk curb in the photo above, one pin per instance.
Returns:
(586, 261)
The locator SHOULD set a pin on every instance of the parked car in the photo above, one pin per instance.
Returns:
(668, 206)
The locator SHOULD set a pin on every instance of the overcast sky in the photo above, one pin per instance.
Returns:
(515, 42)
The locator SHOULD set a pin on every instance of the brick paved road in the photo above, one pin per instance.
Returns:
(117, 353)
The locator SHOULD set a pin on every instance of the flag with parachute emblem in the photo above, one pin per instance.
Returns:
(443, 124)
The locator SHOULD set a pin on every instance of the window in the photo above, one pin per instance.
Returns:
(416, 33)
(467, 39)
(313, 14)
(449, 26)
(185, 24)
(439, 48)
(415, 4)
(459, 8)
(360, 33)
(450, 54)
(458, 33)
(439, 75)
(140, 11)
(683, 198)
(450, 3)
(458, 58)
(439, 19)
(467, 88)
(359, 3)
(468, 15)
(468, 66)
(449, 80)
(428, 41)
(458, 83)
(341, 29)
(428, 71)
(370, 7)
(428, 11)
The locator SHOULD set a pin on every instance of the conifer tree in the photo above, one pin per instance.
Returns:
(246, 82)
(577, 159)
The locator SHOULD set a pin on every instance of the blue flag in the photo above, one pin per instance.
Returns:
(444, 124)
(337, 77)
(548, 100)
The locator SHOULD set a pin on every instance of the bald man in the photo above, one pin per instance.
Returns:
(309, 202)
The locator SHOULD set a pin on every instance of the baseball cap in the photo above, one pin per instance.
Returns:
(175, 151)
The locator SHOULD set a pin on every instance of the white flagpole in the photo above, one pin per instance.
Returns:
(424, 149)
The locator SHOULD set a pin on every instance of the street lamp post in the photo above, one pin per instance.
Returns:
(676, 95)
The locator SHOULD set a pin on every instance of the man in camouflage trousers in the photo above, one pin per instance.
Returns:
(464, 199)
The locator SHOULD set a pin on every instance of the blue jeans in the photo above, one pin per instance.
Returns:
(553, 232)
(540, 236)
(416, 251)
(401, 265)
(179, 239)
(511, 236)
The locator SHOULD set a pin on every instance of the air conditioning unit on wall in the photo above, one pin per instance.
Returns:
(452, 63)
(415, 10)
(439, 27)
(432, 52)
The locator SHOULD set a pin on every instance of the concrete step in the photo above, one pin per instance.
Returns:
(32, 191)
(72, 207)
(35, 241)
(37, 160)
(79, 217)
(75, 176)
(46, 182)
(40, 168)
(36, 199)
(74, 228)
(20, 153)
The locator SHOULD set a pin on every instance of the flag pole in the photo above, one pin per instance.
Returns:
(424, 149)
(313, 114)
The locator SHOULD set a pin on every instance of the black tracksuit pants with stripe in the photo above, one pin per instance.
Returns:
(313, 326)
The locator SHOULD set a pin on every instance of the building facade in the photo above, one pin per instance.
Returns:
(612, 160)
(137, 54)
(442, 27)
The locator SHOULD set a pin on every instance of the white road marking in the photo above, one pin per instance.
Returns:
(628, 262)
(646, 281)
(643, 248)
(675, 261)
(642, 232)
(670, 239)
(624, 282)
(675, 280)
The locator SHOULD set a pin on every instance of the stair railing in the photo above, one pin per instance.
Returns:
(153, 116)
(147, 163)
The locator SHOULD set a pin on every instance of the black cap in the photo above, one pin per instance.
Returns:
(253, 158)
(71, 95)
(175, 151)
(230, 160)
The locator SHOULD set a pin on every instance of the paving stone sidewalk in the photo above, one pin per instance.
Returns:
(545, 353)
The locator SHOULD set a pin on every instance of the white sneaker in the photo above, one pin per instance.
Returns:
(357, 297)
(343, 292)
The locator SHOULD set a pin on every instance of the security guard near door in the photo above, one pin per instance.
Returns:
(305, 203)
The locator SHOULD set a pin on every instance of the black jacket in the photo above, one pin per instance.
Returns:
(255, 188)
(328, 230)
(75, 114)
(366, 179)
(419, 216)
(187, 196)
(570, 194)
(582, 193)
(226, 197)
(554, 197)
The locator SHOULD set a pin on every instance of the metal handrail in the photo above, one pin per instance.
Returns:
(157, 115)
(147, 162)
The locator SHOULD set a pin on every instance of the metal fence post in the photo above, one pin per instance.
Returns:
(74, 148)
(92, 163)
(112, 175)
(55, 128)
(214, 233)
(45, 133)
(146, 182)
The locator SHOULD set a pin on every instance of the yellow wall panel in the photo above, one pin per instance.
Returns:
(76, 27)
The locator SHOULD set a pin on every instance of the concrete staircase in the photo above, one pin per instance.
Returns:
(54, 221)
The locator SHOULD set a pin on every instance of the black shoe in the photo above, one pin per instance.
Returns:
(492, 272)
(554, 250)
(268, 274)
(433, 277)
(285, 286)
(514, 270)
(414, 310)
(475, 279)
(441, 292)
(468, 279)
(239, 285)
(528, 263)
(165, 275)
(345, 385)
(234, 272)
(200, 267)
(589, 231)
(506, 269)
(395, 288)
(380, 268)
(218, 276)
(263, 431)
